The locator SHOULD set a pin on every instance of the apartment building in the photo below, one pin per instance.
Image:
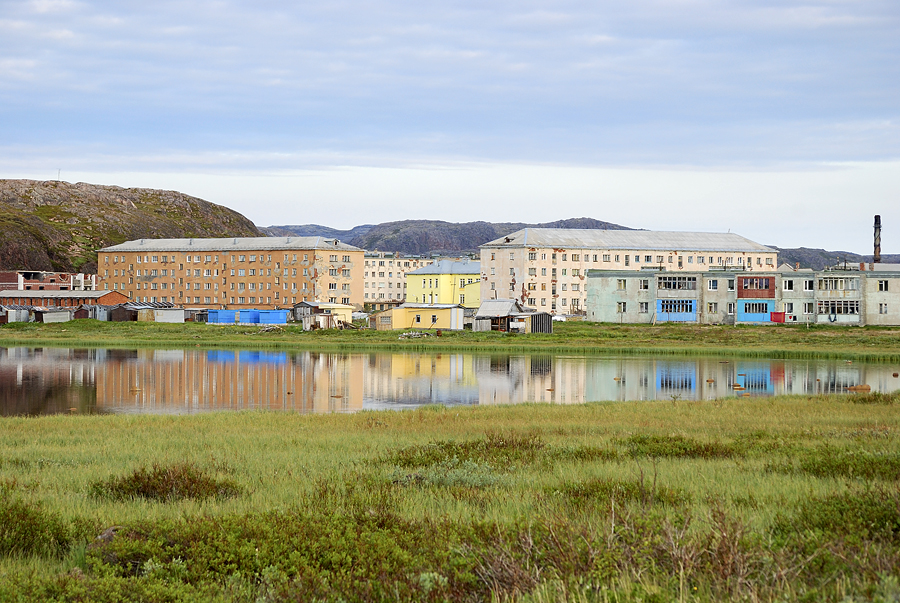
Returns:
(27, 280)
(254, 272)
(384, 275)
(545, 268)
(868, 294)
(455, 282)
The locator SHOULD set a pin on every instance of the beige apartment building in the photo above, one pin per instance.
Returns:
(544, 268)
(257, 272)
(384, 275)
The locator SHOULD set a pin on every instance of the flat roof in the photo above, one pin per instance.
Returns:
(585, 238)
(231, 244)
(449, 267)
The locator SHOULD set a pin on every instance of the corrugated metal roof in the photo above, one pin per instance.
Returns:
(39, 293)
(231, 244)
(449, 267)
(495, 308)
(582, 238)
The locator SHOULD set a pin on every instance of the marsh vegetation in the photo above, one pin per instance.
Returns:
(775, 499)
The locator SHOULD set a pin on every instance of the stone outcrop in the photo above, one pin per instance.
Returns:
(52, 225)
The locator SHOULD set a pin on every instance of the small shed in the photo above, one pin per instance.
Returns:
(170, 315)
(123, 313)
(508, 315)
(15, 313)
(326, 315)
(48, 316)
(420, 316)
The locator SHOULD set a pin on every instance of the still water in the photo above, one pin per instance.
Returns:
(58, 380)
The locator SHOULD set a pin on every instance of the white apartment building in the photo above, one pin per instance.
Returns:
(544, 268)
(384, 276)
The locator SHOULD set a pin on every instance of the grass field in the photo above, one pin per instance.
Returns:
(774, 499)
(783, 341)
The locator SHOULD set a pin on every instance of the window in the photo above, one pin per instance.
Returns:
(620, 307)
(563, 286)
(563, 257)
(808, 308)
(712, 285)
(345, 273)
(730, 308)
(690, 259)
(605, 257)
(252, 259)
(575, 272)
(332, 286)
(543, 272)
(677, 283)
(788, 285)
(756, 308)
(418, 318)
(712, 308)
(532, 255)
(626, 260)
(543, 301)
(769, 262)
(835, 307)
(564, 271)
(883, 286)
(789, 307)
(620, 284)
(576, 287)
(332, 272)
(838, 284)
(755, 283)
(644, 284)
(346, 258)
(332, 258)
(676, 306)
(345, 300)
(617, 258)
(700, 259)
(731, 284)
(643, 307)
(882, 309)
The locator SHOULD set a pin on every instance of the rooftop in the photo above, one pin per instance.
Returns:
(577, 238)
(449, 267)
(231, 244)
(54, 293)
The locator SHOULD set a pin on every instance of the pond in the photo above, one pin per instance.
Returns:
(36, 381)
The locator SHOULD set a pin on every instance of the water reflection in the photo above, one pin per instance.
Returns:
(55, 380)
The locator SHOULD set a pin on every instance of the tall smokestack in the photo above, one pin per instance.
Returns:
(877, 258)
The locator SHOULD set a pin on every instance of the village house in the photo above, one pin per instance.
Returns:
(28, 280)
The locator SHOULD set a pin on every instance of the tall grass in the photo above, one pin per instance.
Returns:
(745, 499)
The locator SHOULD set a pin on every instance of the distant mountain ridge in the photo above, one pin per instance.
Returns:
(423, 237)
(53, 225)
(817, 259)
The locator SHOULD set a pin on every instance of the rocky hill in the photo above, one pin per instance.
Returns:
(55, 225)
(422, 237)
(817, 259)
(317, 230)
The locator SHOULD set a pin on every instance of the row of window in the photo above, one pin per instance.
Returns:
(689, 283)
(252, 257)
(647, 258)
(686, 306)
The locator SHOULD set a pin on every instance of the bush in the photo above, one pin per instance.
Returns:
(165, 484)
(28, 529)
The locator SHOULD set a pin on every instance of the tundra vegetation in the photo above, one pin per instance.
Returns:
(747, 499)
(775, 342)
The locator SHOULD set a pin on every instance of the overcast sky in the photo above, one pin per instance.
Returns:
(779, 120)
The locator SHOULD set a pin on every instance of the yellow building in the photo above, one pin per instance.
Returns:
(419, 316)
(258, 272)
(446, 282)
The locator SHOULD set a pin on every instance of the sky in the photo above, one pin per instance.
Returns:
(778, 120)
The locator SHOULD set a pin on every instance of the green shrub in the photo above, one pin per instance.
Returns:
(165, 484)
(677, 447)
(28, 528)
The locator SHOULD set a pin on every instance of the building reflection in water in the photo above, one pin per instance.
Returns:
(51, 380)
